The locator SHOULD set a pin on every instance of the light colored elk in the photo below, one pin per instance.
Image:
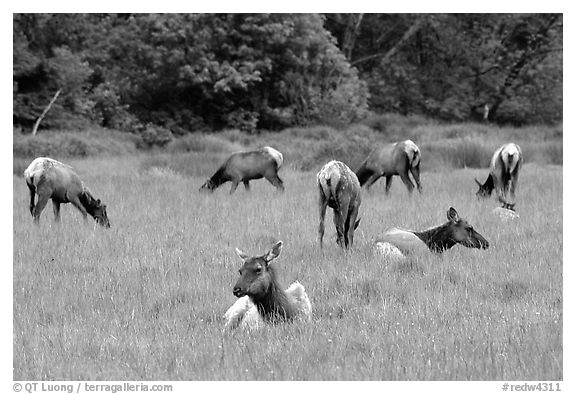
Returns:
(506, 212)
(245, 166)
(50, 179)
(261, 300)
(388, 160)
(504, 171)
(339, 189)
(437, 239)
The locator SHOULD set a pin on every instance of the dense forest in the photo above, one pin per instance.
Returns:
(199, 72)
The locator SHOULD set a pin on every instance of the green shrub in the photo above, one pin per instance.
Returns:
(456, 153)
(554, 152)
(153, 136)
(543, 152)
(73, 144)
(202, 143)
(191, 164)
(395, 127)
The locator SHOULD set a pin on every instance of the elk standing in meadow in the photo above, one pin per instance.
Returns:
(437, 239)
(50, 179)
(340, 190)
(504, 171)
(398, 158)
(260, 297)
(245, 166)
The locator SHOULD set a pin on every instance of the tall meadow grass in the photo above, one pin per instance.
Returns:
(144, 300)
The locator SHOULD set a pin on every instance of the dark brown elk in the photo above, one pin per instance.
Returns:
(261, 299)
(339, 189)
(504, 171)
(50, 179)
(399, 158)
(245, 166)
(437, 239)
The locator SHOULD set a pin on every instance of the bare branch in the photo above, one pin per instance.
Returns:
(35, 129)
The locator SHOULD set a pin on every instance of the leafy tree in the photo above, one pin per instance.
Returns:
(183, 72)
(189, 71)
(452, 66)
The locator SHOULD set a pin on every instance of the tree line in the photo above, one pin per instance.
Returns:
(200, 72)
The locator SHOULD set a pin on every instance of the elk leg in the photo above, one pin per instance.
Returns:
(350, 223)
(373, 178)
(76, 202)
(56, 208)
(340, 216)
(323, 203)
(32, 190)
(407, 182)
(416, 174)
(234, 186)
(513, 188)
(388, 183)
(246, 185)
(40, 205)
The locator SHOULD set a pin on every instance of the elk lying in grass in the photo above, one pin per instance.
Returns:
(340, 190)
(392, 159)
(260, 297)
(504, 171)
(50, 179)
(506, 211)
(245, 166)
(437, 239)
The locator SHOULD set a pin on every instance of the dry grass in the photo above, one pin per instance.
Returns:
(144, 300)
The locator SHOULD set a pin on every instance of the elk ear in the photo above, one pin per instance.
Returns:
(241, 254)
(274, 252)
(453, 215)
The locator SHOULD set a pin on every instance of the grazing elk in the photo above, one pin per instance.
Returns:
(50, 179)
(504, 170)
(340, 190)
(260, 297)
(437, 239)
(506, 211)
(398, 158)
(245, 166)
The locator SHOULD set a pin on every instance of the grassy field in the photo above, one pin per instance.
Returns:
(144, 300)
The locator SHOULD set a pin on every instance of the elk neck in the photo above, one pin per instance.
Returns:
(438, 239)
(274, 304)
(219, 177)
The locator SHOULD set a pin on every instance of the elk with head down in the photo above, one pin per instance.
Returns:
(50, 179)
(399, 158)
(245, 166)
(504, 171)
(339, 189)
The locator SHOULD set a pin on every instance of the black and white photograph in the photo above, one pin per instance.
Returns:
(303, 197)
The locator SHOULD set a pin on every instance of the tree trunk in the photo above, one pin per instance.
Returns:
(35, 129)
(352, 29)
(386, 56)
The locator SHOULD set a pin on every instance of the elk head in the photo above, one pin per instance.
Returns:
(256, 276)
(463, 233)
